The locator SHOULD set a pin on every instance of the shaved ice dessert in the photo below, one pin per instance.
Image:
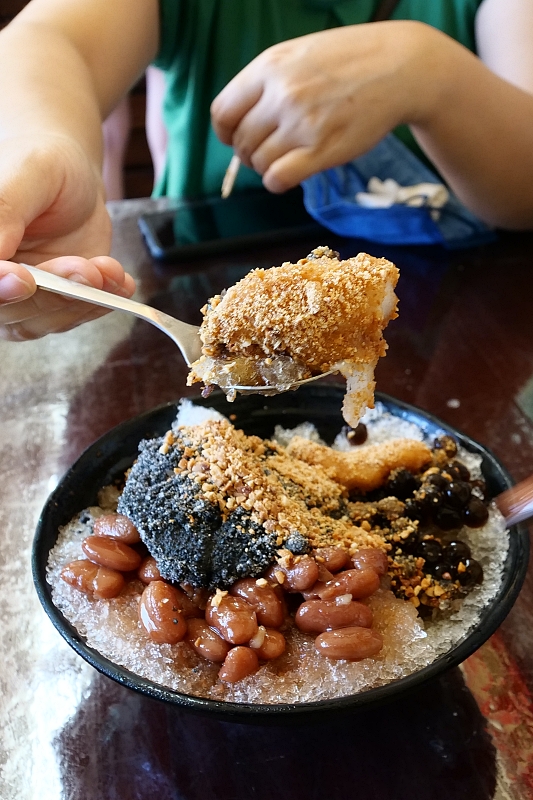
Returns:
(283, 570)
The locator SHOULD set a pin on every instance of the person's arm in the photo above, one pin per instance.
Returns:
(63, 66)
(480, 134)
(324, 99)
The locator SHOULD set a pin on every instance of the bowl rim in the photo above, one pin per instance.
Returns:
(493, 615)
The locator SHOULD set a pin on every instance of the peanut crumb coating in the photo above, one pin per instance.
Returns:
(322, 312)
(281, 493)
(365, 469)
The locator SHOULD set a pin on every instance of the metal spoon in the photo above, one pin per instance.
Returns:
(185, 336)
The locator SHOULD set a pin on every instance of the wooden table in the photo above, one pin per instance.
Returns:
(462, 348)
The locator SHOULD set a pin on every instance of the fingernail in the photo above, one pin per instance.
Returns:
(13, 288)
(112, 286)
(77, 278)
(115, 288)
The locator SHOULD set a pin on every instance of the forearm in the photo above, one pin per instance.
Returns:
(64, 65)
(321, 100)
(478, 131)
(50, 92)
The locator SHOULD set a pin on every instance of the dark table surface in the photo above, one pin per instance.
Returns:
(462, 348)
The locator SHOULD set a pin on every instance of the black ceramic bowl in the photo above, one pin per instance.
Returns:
(107, 459)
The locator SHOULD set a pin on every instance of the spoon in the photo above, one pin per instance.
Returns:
(516, 503)
(185, 336)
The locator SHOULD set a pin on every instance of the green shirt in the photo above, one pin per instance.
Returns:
(204, 43)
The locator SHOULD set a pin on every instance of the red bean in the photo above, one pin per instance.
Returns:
(187, 607)
(272, 646)
(233, 618)
(118, 526)
(108, 583)
(316, 616)
(149, 571)
(371, 557)
(160, 613)
(280, 594)
(100, 583)
(239, 663)
(333, 558)
(275, 576)
(301, 576)
(357, 582)
(351, 644)
(196, 595)
(185, 604)
(205, 641)
(263, 599)
(112, 553)
(324, 575)
(314, 592)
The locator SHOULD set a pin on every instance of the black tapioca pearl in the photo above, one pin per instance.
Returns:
(447, 519)
(456, 551)
(357, 435)
(437, 479)
(401, 484)
(429, 497)
(469, 573)
(447, 444)
(443, 571)
(457, 494)
(375, 495)
(409, 542)
(430, 550)
(476, 513)
(458, 470)
(380, 521)
(414, 510)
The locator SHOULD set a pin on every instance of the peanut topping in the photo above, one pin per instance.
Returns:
(283, 493)
(218, 597)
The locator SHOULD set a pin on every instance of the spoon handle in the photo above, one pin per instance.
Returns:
(53, 283)
(516, 504)
(185, 336)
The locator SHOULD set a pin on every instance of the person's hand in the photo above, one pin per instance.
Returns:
(29, 313)
(51, 206)
(321, 100)
(51, 200)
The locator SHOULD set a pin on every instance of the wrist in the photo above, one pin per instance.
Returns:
(46, 89)
(426, 76)
(437, 72)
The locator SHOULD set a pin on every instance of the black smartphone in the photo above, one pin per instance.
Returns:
(213, 225)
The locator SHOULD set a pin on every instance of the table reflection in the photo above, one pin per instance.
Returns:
(119, 744)
(462, 349)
